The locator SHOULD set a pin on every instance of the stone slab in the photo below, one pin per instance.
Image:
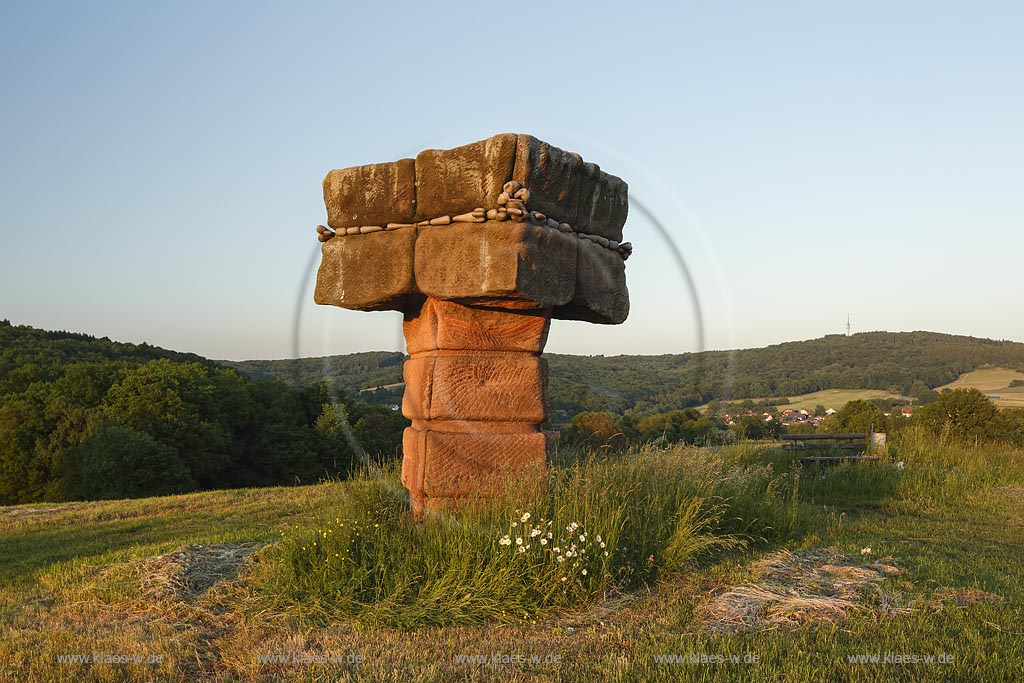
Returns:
(456, 181)
(600, 290)
(367, 272)
(498, 388)
(492, 326)
(376, 194)
(602, 203)
(460, 465)
(497, 260)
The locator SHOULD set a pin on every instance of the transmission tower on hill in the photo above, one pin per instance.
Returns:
(847, 324)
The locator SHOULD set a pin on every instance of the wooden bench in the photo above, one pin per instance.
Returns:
(861, 443)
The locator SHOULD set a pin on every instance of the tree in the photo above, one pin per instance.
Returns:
(964, 414)
(189, 407)
(921, 393)
(855, 417)
(116, 462)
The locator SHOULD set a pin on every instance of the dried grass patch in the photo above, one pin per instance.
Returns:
(820, 585)
(189, 573)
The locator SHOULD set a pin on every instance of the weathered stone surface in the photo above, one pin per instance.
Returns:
(496, 260)
(602, 204)
(453, 182)
(503, 388)
(601, 294)
(456, 181)
(376, 194)
(367, 272)
(552, 176)
(418, 374)
(456, 465)
(485, 326)
(414, 452)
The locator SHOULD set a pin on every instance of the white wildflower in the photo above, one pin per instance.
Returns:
(519, 540)
(584, 572)
(602, 545)
(561, 559)
(534, 533)
(543, 541)
(521, 549)
(583, 538)
(865, 551)
(550, 535)
(599, 538)
(525, 517)
(505, 540)
(900, 465)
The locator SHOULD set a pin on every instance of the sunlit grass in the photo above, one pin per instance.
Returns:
(605, 524)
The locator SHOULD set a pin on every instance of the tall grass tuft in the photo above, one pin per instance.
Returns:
(598, 525)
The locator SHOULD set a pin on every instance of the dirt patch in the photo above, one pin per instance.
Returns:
(820, 585)
(191, 572)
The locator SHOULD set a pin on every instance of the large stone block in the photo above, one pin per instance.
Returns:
(448, 182)
(376, 194)
(460, 465)
(602, 203)
(496, 260)
(456, 181)
(367, 272)
(418, 374)
(552, 176)
(476, 387)
(414, 450)
(492, 326)
(600, 292)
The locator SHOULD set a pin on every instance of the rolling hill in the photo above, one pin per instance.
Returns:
(888, 363)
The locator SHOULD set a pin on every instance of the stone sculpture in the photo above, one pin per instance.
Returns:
(479, 246)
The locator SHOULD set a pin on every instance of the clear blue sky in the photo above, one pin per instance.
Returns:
(161, 162)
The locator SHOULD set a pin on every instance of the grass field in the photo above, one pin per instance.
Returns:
(864, 560)
(830, 398)
(992, 382)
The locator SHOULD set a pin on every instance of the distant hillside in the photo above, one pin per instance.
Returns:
(353, 371)
(882, 361)
(644, 384)
(28, 354)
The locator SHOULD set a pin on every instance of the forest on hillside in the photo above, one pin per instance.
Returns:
(648, 385)
(87, 418)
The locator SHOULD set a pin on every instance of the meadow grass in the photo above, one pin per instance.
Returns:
(599, 525)
(215, 582)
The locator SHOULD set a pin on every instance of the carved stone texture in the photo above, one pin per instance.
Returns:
(480, 246)
(494, 259)
(475, 390)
